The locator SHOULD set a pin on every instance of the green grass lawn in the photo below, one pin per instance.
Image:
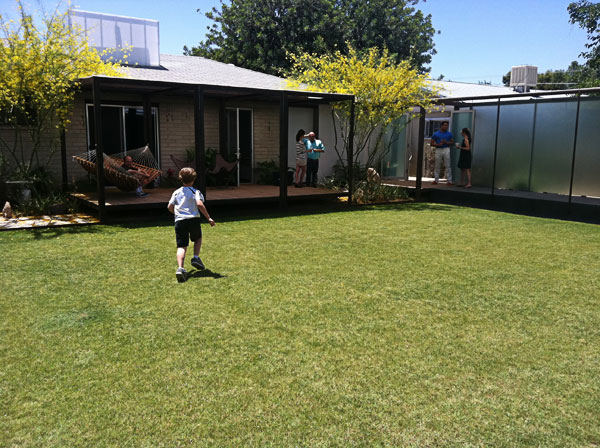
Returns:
(410, 325)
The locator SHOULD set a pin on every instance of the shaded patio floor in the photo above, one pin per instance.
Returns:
(159, 197)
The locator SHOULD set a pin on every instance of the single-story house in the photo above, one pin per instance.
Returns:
(184, 105)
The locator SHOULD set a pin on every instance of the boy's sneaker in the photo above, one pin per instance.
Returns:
(141, 194)
(197, 263)
(181, 275)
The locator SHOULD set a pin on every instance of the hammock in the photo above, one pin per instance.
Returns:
(143, 160)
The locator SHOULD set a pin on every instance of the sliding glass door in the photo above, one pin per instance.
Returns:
(122, 128)
(240, 142)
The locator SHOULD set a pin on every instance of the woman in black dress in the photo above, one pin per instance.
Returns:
(464, 160)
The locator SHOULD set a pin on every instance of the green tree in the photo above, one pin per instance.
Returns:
(561, 79)
(41, 61)
(258, 34)
(385, 90)
(587, 15)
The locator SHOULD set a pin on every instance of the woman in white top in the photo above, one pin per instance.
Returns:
(300, 158)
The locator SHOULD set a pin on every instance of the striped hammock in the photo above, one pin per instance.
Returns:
(114, 173)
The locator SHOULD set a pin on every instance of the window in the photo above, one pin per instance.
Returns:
(433, 125)
(11, 117)
(122, 128)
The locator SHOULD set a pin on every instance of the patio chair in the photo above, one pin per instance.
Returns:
(180, 163)
(222, 169)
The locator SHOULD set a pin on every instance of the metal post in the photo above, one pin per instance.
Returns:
(496, 148)
(535, 106)
(350, 153)
(574, 146)
(199, 139)
(283, 149)
(96, 98)
(420, 153)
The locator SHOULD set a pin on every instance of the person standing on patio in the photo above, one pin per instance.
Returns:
(464, 160)
(442, 140)
(300, 158)
(315, 148)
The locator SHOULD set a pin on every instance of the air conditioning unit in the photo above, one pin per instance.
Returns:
(523, 77)
(139, 37)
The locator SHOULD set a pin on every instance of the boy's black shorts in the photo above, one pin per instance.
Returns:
(186, 230)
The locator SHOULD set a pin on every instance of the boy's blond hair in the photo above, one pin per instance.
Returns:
(187, 175)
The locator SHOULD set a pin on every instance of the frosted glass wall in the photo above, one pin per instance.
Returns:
(109, 32)
(515, 135)
(553, 147)
(586, 180)
(535, 146)
(460, 119)
(484, 140)
(394, 162)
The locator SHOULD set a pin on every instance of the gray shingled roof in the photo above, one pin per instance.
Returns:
(451, 89)
(196, 70)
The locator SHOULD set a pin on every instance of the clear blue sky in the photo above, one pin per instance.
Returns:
(479, 40)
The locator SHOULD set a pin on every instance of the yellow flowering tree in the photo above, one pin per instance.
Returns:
(41, 61)
(384, 90)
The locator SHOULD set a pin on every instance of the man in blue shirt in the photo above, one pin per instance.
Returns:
(441, 141)
(314, 149)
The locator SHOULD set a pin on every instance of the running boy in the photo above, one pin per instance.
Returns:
(186, 204)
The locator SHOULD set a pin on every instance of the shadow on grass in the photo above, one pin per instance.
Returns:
(46, 233)
(205, 273)
(245, 212)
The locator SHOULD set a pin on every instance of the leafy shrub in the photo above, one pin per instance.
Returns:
(339, 179)
(265, 170)
(371, 192)
(48, 204)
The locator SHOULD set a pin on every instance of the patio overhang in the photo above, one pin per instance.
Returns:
(148, 87)
(102, 86)
(538, 94)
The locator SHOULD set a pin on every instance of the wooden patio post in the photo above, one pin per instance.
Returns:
(283, 149)
(420, 152)
(350, 153)
(96, 98)
(199, 139)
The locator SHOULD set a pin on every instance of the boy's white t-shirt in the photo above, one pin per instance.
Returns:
(184, 199)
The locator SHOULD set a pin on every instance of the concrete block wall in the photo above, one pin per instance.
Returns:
(176, 129)
(50, 145)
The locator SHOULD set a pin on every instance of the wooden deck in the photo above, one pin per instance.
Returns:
(159, 197)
